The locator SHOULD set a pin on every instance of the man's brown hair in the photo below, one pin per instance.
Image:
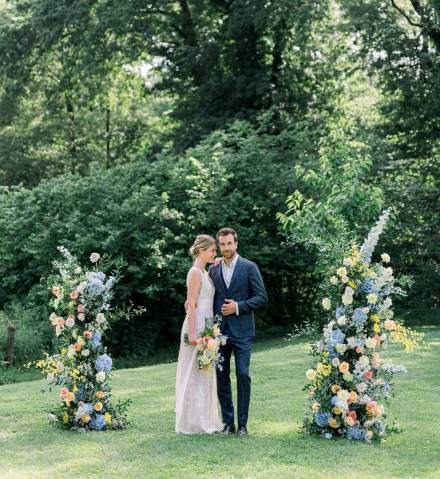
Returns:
(227, 231)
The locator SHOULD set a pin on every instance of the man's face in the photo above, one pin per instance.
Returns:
(228, 246)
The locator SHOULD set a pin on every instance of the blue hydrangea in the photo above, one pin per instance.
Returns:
(355, 433)
(109, 284)
(334, 400)
(322, 418)
(95, 283)
(333, 355)
(97, 423)
(88, 408)
(104, 363)
(340, 311)
(367, 286)
(328, 435)
(359, 317)
(80, 394)
(337, 337)
(96, 339)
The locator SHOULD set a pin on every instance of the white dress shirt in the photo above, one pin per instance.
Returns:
(227, 272)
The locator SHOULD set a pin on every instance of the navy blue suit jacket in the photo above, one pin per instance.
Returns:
(247, 289)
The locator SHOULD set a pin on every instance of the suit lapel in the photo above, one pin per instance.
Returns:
(221, 280)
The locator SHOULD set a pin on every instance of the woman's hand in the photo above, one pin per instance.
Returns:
(192, 339)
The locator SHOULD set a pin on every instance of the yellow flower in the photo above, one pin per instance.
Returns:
(376, 328)
(100, 394)
(352, 284)
(335, 388)
(333, 423)
(344, 367)
(315, 406)
(66, 418)
(86, 418)
(107, 418)
(75, 388)
(337, 410)
(375, 318)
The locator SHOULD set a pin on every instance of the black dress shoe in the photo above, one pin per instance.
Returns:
(242, 431)
(228, 429)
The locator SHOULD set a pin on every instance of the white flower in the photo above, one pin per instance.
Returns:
(371, 298)
(100, 318)
(366, 310)
(70, 322)
(348, 262)
(60, 366)
(78, 270)
(348, 376)
(58, 330)
(51, 417)
(343, 395)
(361, 387)
(81, 316)
(341, 272)
(310, 374)
(341, 348)
(335, 362)
(370, 343)
(364, 361)
(387, 303)
(372, 275)
(342, 320)
(385, 257)
(85, 352)
(53, 319)
(344, 279)
(100, 377)
(50, 378)
(330, 324)
(334, 280)
(326, 304)
(94, 257)
(352, 342)
(347, 299)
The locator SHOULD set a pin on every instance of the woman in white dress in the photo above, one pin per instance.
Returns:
(196, 390)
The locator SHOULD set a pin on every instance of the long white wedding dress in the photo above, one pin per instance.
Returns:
(196, 390)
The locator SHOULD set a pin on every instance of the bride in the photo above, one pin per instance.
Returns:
(196, 390)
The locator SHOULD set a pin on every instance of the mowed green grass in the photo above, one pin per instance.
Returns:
(275, 448)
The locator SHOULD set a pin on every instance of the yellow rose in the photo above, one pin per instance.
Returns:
(98, 406)
(333, 423)
(337, 410)
(315, 406)
(86, 418)
(335, 388)
(375, 318)
(376, 328)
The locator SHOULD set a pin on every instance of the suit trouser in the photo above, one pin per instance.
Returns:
(242, 354)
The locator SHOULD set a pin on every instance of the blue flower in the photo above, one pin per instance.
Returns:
(337, 337)
(97, 422)
(367, 286)
(104, 363)
(95, 283)
(96, 339)
(340, 311)
(355, 433)
(359, 317)
(328, 435)
(322, 418)
(334, 400)
(80, 393)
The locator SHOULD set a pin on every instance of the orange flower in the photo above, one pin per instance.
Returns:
(344, 367)
(56, 291)
(77, 347)
(100, 394)
(368, 375)
(353, 397)
(98, 406)
(74, 294)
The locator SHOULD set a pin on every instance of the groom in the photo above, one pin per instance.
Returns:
(239, 291)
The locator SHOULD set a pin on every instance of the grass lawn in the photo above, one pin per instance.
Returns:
(275, 448)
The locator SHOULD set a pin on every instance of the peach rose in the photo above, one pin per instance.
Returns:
(368, 375)
(344, 367)
(74, 295)
(88, 334)
(77, 347)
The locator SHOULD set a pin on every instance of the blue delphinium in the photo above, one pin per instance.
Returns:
(367, 286)
(340, 311)
(97, 422)
(104, 363)
(96, 339)
(322, 418)
(370, 242)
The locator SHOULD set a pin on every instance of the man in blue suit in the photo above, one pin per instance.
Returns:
(239, 291)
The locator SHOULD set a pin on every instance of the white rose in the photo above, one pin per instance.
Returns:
(326, 304)
(85, 352)
(334, 280)
(81, 316)
(50, 378)
(335, 362)
(371, 298)
(364, 360)
(343, 395)
(78, 270)
(310, 374)
(341, 348)
(348, 262)
(344, 279)
(342, 320)
(352, 342)
(100, 318)
(100, 377)
(385, 257)
(341, 272)
(370, 343)
(346, 300)
(70, 321)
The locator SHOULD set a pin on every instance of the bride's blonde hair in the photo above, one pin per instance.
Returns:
(201, 243)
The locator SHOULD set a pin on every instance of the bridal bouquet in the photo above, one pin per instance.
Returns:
(350, 378)
(81, 367)
(208, 345)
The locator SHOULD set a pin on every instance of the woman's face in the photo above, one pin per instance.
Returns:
(208, 255)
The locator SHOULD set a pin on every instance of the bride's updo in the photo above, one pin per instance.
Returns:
(202, 243)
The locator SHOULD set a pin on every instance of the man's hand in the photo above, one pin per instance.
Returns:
(229, 307)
